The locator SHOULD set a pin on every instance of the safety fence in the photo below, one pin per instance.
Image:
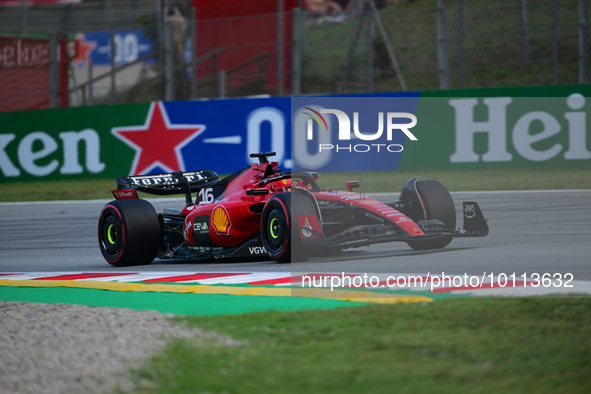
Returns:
(145, 50)
(33, 73)
(454, 44)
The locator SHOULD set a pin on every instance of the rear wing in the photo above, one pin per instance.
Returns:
(177, 182)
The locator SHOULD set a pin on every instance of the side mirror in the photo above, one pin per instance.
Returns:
(352, 185)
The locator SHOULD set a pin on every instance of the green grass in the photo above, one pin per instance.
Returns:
(80, 189)
(493, 53)
(373, 181)
(469, 180)
(458, 346)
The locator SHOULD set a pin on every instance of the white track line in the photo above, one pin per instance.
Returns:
(578, 286)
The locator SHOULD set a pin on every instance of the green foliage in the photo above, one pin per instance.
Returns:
(149, 25)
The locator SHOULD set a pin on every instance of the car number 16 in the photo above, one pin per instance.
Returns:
(206, 195)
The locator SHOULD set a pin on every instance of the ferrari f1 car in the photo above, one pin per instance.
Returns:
(262, 211)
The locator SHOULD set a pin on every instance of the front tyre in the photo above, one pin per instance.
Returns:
(438, 204)
(275, 228)
(279, 226)
(129, 233)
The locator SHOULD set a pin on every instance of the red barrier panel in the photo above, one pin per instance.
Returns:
(246, 30)
(25, 74)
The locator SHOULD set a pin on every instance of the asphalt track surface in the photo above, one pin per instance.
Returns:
(530, 232)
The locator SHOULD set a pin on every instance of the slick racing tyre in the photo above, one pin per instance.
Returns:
(277, 232)
(438, 205)
(129, 232)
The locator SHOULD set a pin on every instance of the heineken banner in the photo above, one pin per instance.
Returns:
(479, 128)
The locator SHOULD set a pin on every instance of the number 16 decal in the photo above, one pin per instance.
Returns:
(206, 195)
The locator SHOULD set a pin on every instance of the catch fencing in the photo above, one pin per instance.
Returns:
(145, 50)
(32, 73)
(457, 44)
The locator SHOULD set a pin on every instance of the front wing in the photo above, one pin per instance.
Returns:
(362, 235)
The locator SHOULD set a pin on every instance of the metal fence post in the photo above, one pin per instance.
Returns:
(555, 41)
(193, 52)
(354, 33)
(24, 18)
(53, 71)
(169, 54)
(222, 84)
(113, 51)
(113, 64)
(363, 46)
(303, 32)
(388, 46)
(90, 92)
(280, 47)
(160, 40)
(524, 40)
(370, 38)
(460, 43)
(297, 63)
(583, 42)
(442, 59)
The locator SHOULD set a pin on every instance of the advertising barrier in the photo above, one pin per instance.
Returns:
(95, 47)
(512, 127)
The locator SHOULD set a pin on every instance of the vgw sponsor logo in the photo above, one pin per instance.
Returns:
(526, 142)
(257, 250)
(345, 130)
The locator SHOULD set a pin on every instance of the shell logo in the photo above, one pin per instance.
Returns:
(221, 220)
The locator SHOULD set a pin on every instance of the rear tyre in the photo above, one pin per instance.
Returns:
(438, 204)
(129, 233)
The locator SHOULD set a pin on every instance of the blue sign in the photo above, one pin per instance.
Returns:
(233, 129)
(130, 45)
(227, 131)
(351, 133)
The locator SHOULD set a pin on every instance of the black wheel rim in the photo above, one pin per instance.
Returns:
(111, 235)
(275, 229)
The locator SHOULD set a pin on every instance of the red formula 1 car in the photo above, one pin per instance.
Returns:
(261, 211)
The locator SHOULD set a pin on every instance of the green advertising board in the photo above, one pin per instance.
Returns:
(527, 126)
(67, 142)
(544, 126)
